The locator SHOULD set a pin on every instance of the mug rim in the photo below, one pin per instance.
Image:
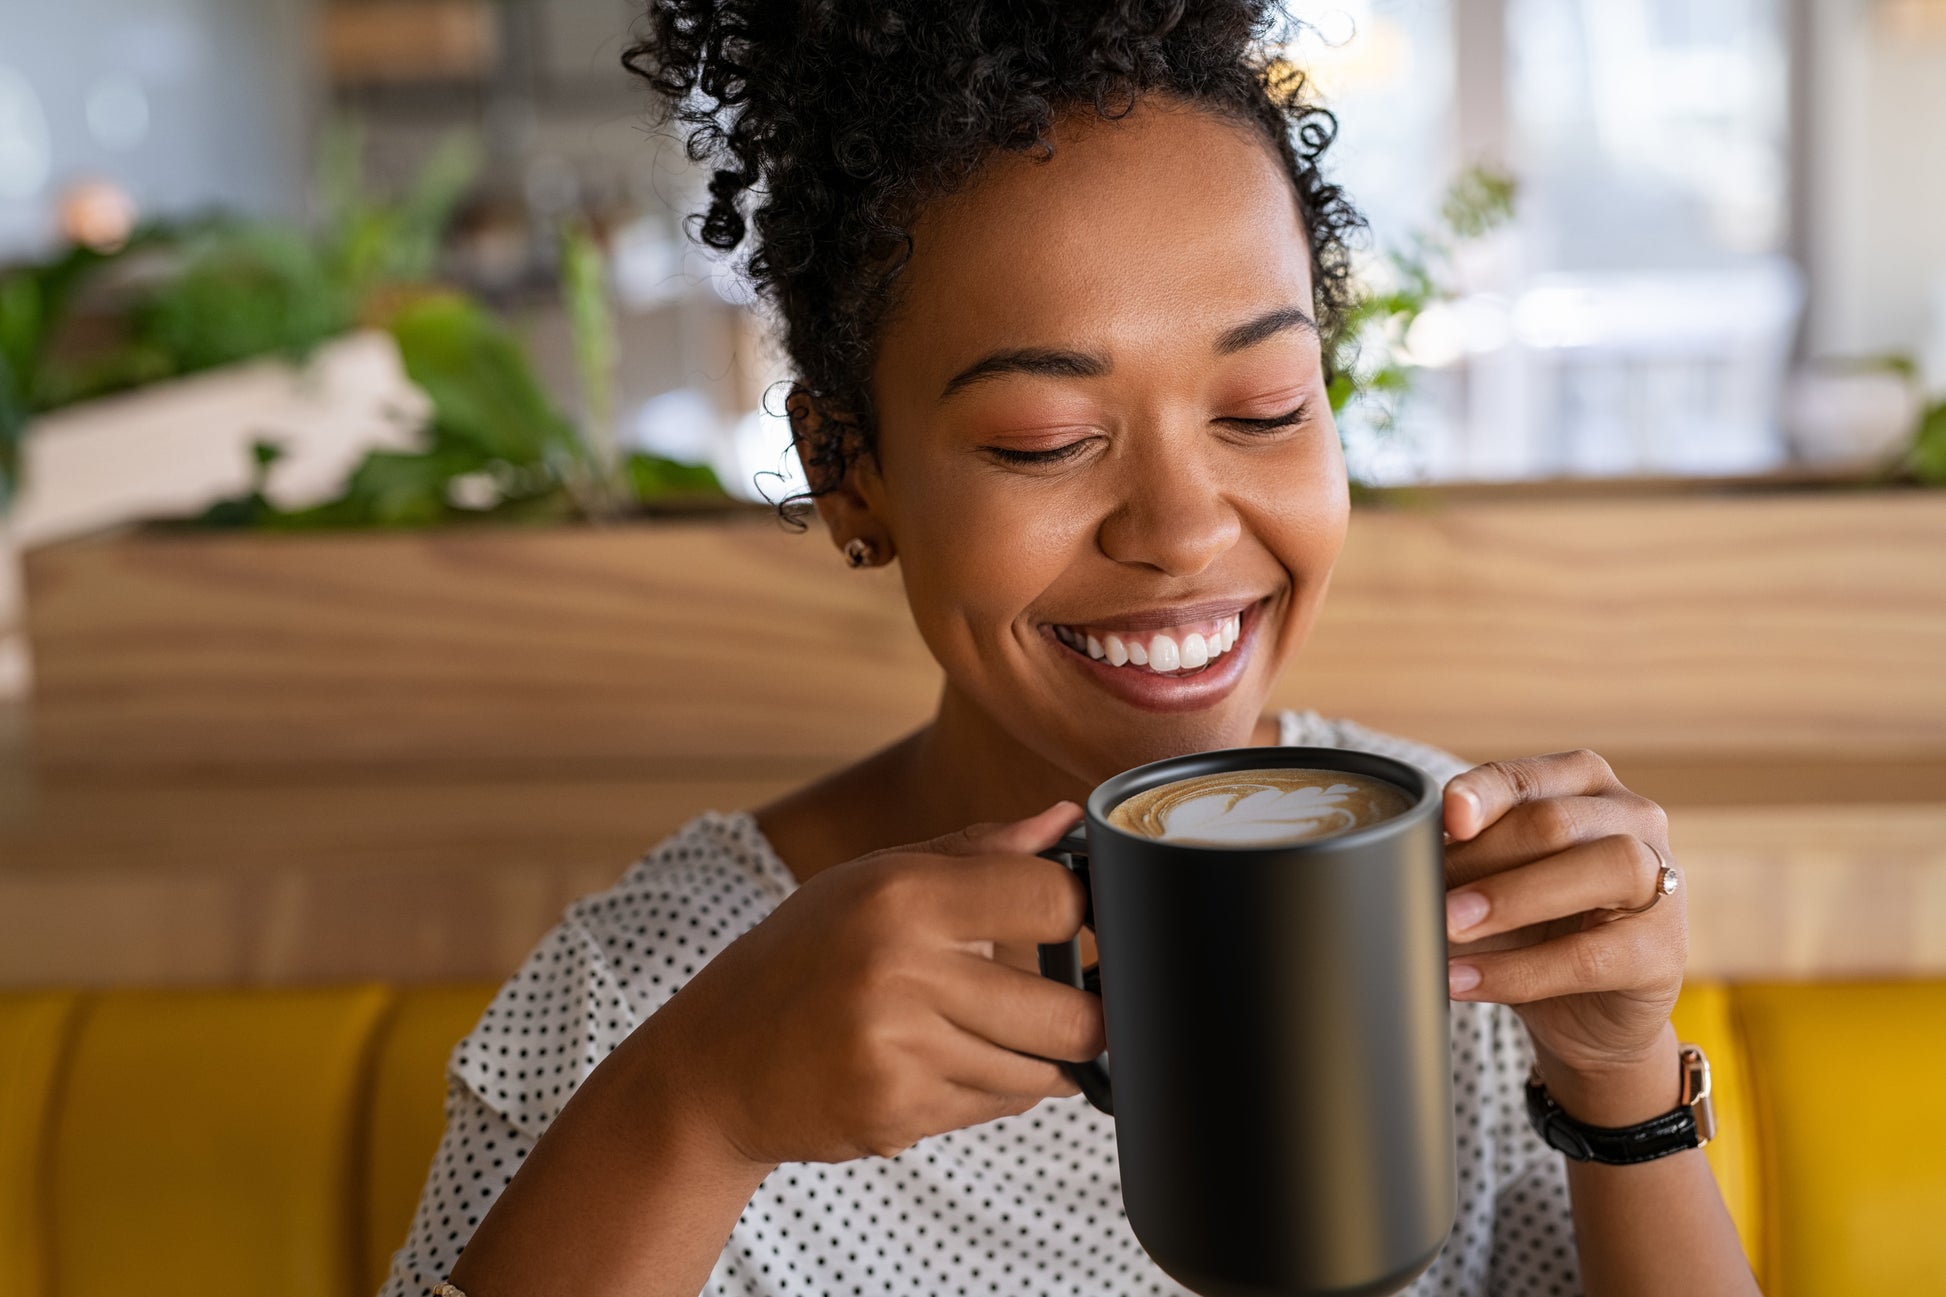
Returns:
(1114, 790)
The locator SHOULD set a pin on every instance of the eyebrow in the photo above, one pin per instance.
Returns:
(1049, 362)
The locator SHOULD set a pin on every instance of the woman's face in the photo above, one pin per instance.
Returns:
(1102, 409)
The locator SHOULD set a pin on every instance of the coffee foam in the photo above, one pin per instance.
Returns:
(1259, 807)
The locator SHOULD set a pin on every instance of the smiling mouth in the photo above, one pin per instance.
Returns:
(1171, 651)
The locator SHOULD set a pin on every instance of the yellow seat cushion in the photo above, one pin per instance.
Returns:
(205, 1143)
(1704, 1016)
(34, 1030)
(1847, 1079)
(216, 1142)
(408, 1110)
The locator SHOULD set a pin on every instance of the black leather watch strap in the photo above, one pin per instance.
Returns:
(1672, 1132)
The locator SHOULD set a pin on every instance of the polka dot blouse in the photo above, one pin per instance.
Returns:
(1028, 1204)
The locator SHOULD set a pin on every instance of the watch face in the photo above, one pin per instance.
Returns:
(1704, 1110)
(1696, 1092)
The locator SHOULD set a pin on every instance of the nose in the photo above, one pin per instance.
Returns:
(1171, 513)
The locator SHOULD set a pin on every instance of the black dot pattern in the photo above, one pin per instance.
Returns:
(1029, 1204)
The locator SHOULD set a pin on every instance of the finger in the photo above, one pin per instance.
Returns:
(1608, 957)
(1019, 1010)
(975, 1107)
(1010, 897)
(1615, 872)
(965, 1059)
(1035, 833)
(1478, 797)
(1535, 830)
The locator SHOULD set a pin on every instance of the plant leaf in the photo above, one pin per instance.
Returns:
(484, 393)
(652, 476)
(1928, 456)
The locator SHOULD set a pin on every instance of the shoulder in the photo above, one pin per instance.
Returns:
(1309, 728)
(614, 958)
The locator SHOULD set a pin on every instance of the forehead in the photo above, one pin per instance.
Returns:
(1139, 235)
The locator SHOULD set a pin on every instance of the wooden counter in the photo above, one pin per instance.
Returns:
(302, 758)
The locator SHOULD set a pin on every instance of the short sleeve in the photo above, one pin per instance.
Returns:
(546, 1030)
(615, 957)
(478, 1154)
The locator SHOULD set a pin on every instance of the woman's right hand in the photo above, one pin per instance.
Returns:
(885, 1000)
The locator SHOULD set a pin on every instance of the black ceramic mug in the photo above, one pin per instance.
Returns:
(1278, 1020)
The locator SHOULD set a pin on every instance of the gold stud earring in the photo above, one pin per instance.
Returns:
(859, 552)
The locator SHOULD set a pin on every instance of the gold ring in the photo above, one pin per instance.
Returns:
(1666, 881)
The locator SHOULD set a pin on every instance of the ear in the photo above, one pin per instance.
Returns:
(846, 502)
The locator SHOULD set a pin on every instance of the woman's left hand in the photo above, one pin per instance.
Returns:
(1543, 852)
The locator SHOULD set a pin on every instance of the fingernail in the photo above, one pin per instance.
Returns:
(1461, 978)
(1464, 909)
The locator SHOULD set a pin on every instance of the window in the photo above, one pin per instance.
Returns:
(1638, 314)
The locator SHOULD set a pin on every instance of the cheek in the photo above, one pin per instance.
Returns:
(1305, 521)
(978, 549)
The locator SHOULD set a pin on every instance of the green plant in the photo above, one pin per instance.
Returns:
(495, 446)
(219, 290)
(1372, 365)
(596, 481)
(1927, 459)
(371, 242)
(490, 421)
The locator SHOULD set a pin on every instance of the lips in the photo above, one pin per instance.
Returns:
(1143, 683)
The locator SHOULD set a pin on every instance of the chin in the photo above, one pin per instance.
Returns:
(1100, 750)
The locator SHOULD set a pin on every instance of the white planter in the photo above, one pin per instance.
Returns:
(172, 448)
(1858, 418)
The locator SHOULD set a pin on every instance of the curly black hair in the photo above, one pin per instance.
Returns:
(843, 117)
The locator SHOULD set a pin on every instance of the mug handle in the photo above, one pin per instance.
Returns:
(1062, 962)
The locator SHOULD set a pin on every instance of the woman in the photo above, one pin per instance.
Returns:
(1056, 282)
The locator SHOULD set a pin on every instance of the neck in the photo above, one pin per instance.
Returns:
(963, 768)
(960, 768)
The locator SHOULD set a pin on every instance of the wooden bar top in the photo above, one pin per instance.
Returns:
(309, 757)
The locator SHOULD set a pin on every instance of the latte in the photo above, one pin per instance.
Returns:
(1245, 808)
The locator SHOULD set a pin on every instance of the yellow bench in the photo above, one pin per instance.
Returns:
(221, 1142)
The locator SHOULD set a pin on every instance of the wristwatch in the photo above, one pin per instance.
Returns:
(1691, 1124)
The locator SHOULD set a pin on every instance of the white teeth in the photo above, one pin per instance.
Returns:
(1161, 652)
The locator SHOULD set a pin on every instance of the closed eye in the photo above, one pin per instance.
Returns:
(1011, 455)
(1291, 419)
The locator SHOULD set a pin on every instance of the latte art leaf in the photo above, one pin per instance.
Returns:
(1259, 815)
(1257, 807)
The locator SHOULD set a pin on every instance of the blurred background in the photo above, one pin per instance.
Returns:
(1723, 253)
(385, 561)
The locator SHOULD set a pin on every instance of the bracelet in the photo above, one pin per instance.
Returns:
(446, 1288)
